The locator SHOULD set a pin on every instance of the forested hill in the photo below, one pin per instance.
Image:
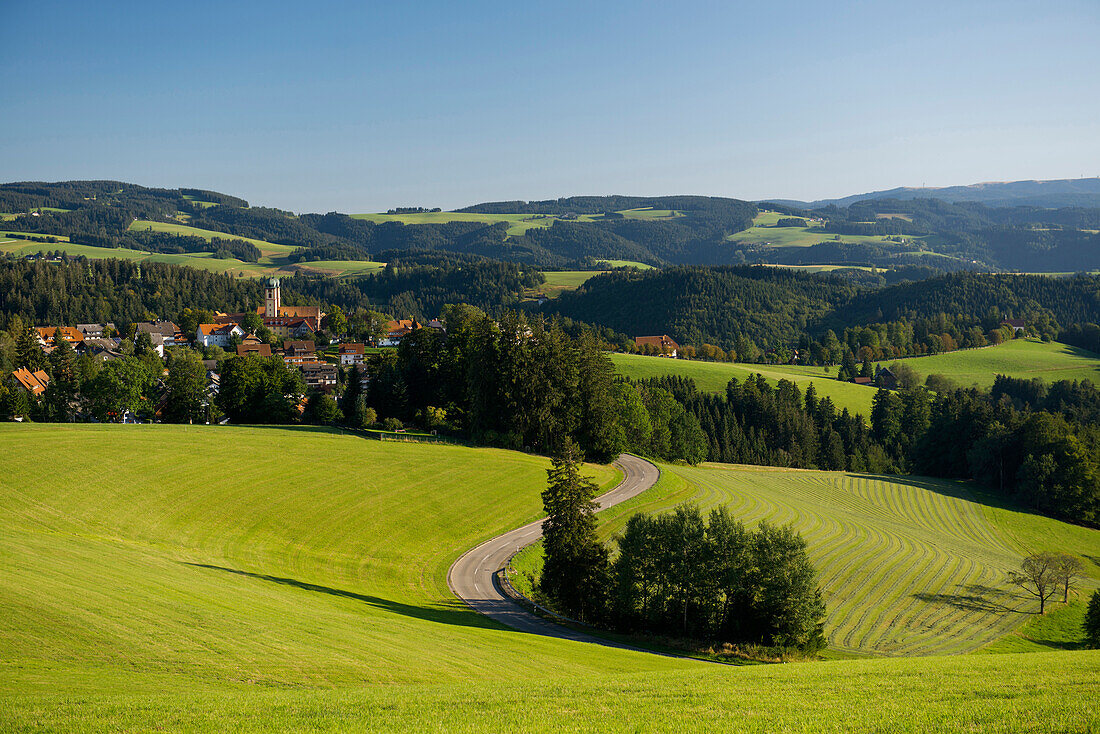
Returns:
(753, 309)
(1054, 193)
(574, 232)
(745, 309)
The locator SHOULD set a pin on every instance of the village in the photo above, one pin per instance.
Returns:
(291, 333)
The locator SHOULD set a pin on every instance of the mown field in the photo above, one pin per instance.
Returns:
(764, 232)
(260, 579)
(1025, 358)
(714, 376)
(518, 224)
(272, 262)
(908, 565)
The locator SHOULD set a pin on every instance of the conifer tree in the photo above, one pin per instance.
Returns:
(576, 570)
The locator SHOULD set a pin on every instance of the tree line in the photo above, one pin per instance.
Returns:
(678, 575)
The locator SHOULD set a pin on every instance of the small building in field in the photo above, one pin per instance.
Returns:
(351, 354)
(33, 383)
(863, 380)
(886, 379)
(662, 345)
(217, 335)
(1017, 325)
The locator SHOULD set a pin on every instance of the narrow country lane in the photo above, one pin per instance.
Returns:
(472, 577)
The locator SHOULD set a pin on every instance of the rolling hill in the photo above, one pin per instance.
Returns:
(1051, 193)
(295, 580)
(908, 565)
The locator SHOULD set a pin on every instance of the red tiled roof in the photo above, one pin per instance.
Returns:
(33, 382)
(664, 341)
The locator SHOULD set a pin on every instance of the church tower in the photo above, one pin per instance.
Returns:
(271, 298)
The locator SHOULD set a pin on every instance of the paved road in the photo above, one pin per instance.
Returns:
(471, 577)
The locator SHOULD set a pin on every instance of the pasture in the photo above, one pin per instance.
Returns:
(908, 565)
(714, 376)
(268, 249)
(303, 589)
(518, 224)
(1025, 358)
(764, 232)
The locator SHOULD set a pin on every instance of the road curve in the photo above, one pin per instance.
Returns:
(472, 577)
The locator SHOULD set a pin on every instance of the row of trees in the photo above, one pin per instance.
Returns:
(678, 574)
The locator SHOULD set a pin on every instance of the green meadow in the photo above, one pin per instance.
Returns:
(273, 260)
(260, 579)
(714, 376)
(518, 224)
(908, 565)
(1025, 358)
(268, 249)
(764, 232)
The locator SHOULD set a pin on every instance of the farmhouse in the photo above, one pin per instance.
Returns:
(319, 376)
(68, 333)
(862, 380)
(298, 353)
(396, 330)
(1016, 324)
(885, 378)
(31, 382)
(166, 330)
(662, 345)
(351, 354)
(95, 331)
(217, 335)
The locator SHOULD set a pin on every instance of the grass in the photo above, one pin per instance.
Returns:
(273, 258)
(1028, 358)
(268, 249)
(909, 566)
(764, 232)
(714, 376)
(319, 603)
(518, 224)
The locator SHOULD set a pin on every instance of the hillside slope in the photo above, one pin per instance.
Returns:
(268, 579)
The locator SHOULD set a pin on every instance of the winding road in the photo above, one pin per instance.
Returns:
(472, 577)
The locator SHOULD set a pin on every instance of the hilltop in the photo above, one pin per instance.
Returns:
(1050, 193)
(911, 237)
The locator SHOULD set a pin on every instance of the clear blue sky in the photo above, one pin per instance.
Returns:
(354, 107)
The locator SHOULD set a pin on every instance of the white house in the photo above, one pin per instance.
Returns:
(217, 335)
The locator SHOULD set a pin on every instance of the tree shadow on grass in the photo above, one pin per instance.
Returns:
(976, 598)
(453, 613)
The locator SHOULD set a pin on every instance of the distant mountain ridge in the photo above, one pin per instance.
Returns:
(1055, 193)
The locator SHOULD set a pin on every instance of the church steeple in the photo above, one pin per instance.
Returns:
(271, 298)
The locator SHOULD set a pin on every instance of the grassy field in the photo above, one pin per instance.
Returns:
(273, 260)
(303, 589)
(909, 566)
(1028, 358)
(713, 377)
(764, 232)
(268, 249)
(518, 224)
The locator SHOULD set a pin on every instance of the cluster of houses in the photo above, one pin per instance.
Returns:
(294, 324)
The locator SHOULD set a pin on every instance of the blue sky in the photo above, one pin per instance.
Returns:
(360, 107)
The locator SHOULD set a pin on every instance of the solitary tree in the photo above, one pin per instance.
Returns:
(1069, 569)
(1038, 576)
(575, 573)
